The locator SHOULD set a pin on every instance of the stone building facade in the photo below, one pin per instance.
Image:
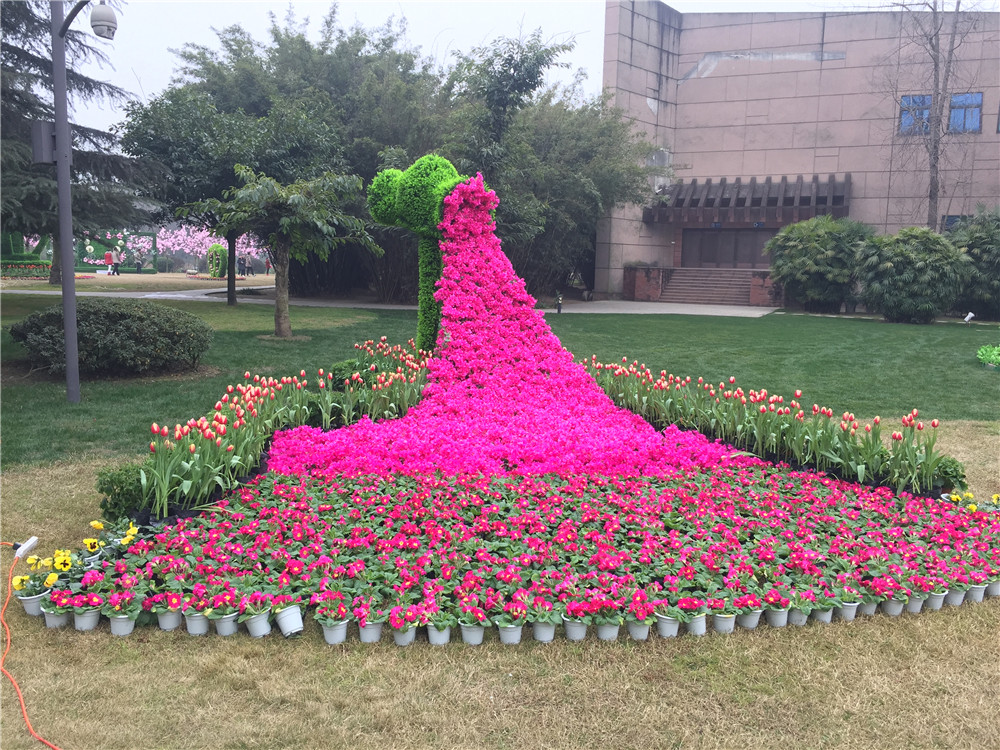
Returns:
(764, 119)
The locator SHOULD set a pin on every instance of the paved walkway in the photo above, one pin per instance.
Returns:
(608, 307)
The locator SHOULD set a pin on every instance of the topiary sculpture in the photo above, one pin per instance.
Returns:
(414, 200)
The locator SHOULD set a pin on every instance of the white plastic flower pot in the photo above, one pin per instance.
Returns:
(196, 622)
(371, 632)
(543, 632)
(724, 624)
(608, 632)
(56, 620)
(473, 634)
(975, 593)
(847, 611)
(86, 620)
(336, 633)
(404, 637)
(259, 625)
(934, 601)
(749, 620)
(32, 604)
(122, 625)
(169, 620)
(289, 621)
(822, 616)
(667, 627)
(697, 626)
(438, 636)
(637, 631)
(510, 635)
(776, 618)
(227, 625)
(575, 630)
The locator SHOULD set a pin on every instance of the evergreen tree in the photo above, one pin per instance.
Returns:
(104, 182)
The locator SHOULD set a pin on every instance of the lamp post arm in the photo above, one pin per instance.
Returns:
(71, 17)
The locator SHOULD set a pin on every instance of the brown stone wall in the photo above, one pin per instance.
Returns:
(761, 291)
(642, 284)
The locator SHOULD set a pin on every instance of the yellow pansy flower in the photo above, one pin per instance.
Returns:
(50, 579)
(97, 525)
(127, 540)
(967, 496)
(62, 563)
(19, 582)
(972, 507)
(47, 562)
(956, 498)
(91, 545)
(34, 562)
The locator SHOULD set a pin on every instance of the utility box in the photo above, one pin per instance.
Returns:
(43, 142)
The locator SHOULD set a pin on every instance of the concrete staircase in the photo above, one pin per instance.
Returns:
(708, 286)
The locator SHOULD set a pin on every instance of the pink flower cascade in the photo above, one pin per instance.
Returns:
(503, 396)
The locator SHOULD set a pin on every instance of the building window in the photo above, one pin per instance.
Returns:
(966, 113)
(915, 114)
(950, 220)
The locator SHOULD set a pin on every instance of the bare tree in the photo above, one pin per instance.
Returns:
(932, 85)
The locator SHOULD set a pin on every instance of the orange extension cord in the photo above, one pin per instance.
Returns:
(6, 631)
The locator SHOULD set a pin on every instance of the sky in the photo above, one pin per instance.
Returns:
(148, 30)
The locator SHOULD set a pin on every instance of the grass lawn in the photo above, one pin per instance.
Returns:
(919, 681)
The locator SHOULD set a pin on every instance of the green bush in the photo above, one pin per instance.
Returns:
(116, 337)
(121, 490)
(164, 265)
(911, 277)
(813, 261)
(979, 236)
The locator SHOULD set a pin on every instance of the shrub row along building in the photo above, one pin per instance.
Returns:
(766, 119)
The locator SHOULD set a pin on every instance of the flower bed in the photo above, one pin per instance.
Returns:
(517, 491)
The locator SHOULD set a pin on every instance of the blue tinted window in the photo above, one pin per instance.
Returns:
(966, 113)
(915, 114)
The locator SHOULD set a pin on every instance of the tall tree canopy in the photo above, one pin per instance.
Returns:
(557, 161)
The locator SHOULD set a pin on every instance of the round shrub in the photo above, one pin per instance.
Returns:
(116, 337)
(813, 261)
(164, 265)
(910, 277)
(382, 196)
(979, 236)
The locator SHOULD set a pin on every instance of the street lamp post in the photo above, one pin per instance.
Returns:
(104, 25)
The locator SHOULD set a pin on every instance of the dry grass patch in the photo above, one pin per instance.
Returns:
(131, 281)
(924, 681)
(977, 445)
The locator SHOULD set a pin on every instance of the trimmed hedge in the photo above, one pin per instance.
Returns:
(116, 337)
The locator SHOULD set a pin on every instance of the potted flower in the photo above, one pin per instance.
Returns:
(166, 605)
(255, 611)
(57, 607)
(194, 607)
(369, 610)
(544, 615)
(509, 615)
(86, 608)
(639, 613)
(723, 611)
(440, 620)
(287, 614)
(473, 620)
(606, 615)
(405, 616)
(849, 599)
(34, 587)
(776, 608)
(122, 607)
(332, 614)
(749, 607)
(223, 609)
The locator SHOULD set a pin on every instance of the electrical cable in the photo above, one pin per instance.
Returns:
(3, 658)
